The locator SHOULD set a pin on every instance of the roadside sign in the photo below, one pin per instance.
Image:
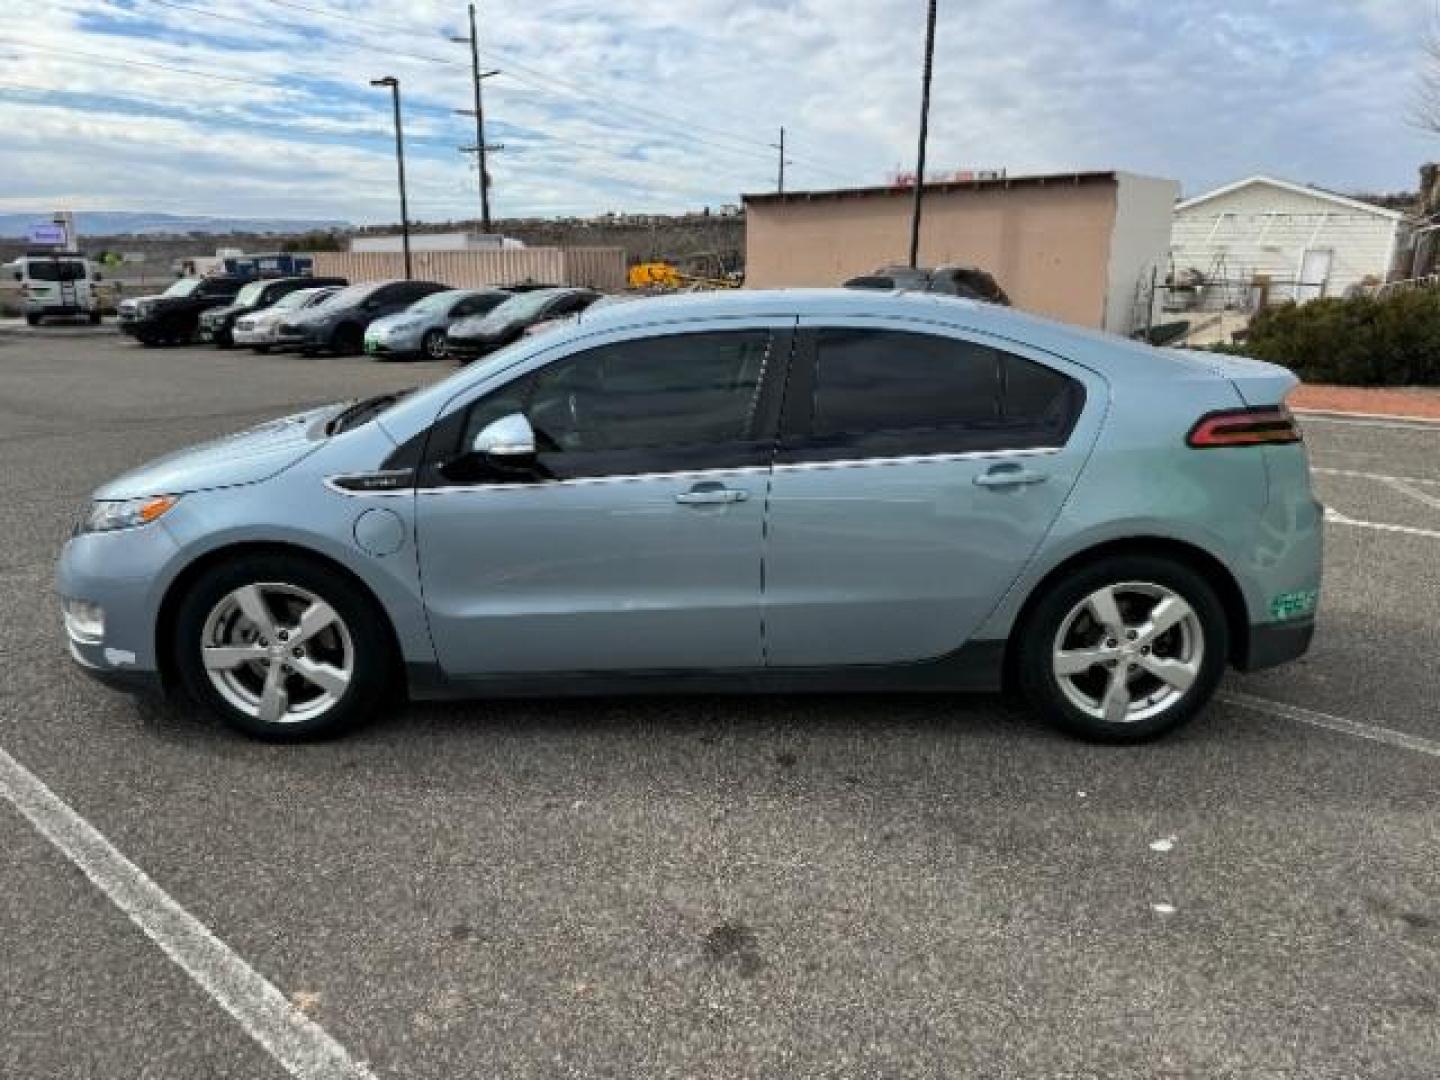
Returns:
(50, 233)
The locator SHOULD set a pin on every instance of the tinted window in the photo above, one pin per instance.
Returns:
(683, 390)
(60, 270)
(892, 383)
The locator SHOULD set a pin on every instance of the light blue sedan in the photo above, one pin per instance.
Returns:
(800, 490)
(419, 330)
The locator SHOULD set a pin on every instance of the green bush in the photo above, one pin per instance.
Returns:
(1356, 342)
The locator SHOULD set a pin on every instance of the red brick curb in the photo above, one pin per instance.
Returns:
(1419, 403)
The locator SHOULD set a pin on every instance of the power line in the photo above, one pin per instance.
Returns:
(547, 81)
(536, 78)
(68, 52)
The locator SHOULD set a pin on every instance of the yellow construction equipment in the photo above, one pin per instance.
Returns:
(663, 275)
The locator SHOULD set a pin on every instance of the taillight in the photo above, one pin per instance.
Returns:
(1266, 425)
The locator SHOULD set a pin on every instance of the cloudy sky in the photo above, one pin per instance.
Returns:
(262, 108)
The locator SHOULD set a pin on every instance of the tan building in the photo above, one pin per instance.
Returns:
(1077, 246)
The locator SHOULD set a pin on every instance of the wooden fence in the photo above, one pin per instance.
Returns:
(597, 268)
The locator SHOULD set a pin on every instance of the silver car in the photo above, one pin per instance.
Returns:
(799, 490)
(257, 329)
(419, 330)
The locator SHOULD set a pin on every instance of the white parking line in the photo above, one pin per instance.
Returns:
(1334, 517)
(305, 1050)
(1372, 732)
(1405, 488)
(1384, 478)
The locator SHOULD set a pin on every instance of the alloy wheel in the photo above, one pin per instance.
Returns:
(277, 652)
(1128, 652)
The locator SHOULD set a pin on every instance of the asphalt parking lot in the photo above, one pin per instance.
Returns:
(706, 887)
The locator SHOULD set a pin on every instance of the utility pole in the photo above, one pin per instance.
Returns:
(924, 132)
(394, 85)
(780, 182)
(480, 148)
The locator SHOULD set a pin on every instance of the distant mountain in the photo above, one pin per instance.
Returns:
(91, 223)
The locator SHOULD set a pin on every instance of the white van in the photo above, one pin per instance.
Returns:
(58, 285)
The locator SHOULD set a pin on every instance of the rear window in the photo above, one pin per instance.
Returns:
(61, 270)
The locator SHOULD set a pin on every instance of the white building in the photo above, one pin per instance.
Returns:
(1271, 240)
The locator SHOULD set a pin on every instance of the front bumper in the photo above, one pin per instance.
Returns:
(393, 344)
(119, 572)
(255, 335)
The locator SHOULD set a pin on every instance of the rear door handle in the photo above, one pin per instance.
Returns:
(1000, 476)
(711, 494)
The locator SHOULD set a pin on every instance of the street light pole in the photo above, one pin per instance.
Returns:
(394, 85)
(924, 132)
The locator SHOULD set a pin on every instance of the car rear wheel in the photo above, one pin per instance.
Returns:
(282, 648)
(433, 345)
(1125, 650)
(32, 319)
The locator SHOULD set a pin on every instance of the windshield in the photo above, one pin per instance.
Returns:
(437, 301)
(295, 299)
(183, 287)
(250, 293)
(56, 270)
(353, 294)
(522, 306)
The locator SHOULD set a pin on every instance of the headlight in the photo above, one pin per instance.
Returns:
(107, 515)
(142, 307)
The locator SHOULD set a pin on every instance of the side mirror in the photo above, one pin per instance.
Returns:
(508, 442)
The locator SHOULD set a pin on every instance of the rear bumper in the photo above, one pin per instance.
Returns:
(1273, 644)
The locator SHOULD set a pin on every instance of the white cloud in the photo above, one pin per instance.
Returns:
(667, 104)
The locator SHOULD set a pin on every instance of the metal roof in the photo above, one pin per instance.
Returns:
(1297, 189)
(1070, 179)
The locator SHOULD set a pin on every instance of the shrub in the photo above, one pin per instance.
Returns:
(1360, 341)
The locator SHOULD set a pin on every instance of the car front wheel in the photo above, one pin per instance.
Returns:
(1126, 649)
(433, 345)
(282, 648)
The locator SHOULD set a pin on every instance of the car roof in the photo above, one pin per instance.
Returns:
(1109, 351)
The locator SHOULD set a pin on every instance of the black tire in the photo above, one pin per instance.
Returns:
(347, 340)
(32, 319)
(262, 350)
(1042, 627)
(371, 687)
(432, 345)
(94, 318)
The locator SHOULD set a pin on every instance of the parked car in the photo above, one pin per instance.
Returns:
(475, 337)
(218, 324)
(419, 330)
(338, 325)
(607, 300)
(173, 317)
(257, 330)
(794, 490)
(967, 281)
(57, 286)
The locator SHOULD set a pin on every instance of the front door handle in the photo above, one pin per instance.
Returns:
(711, 494)
(1009, 475)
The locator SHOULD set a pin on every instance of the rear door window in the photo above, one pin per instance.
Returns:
(886, 393)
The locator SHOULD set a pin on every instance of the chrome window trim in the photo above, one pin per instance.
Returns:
(917, 459)
(589, 481)
(740, 470)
